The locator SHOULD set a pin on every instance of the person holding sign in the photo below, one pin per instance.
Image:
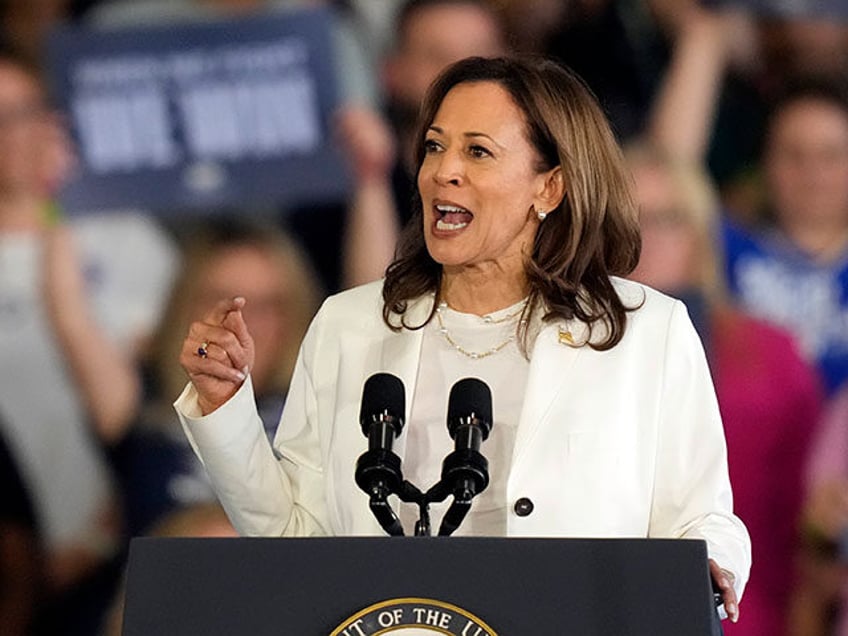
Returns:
(605, 417)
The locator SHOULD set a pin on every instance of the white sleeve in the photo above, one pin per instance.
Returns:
(265, 492)
(692, 494)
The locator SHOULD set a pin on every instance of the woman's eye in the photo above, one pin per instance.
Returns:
(431, 145)
(479, 152)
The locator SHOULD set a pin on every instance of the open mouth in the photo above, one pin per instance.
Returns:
(452, 217)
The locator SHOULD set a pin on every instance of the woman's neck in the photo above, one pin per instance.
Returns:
(477, 292)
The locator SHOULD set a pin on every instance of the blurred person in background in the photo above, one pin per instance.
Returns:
(769, 397)
(428, 36)
(77, 297)
(619, 48)
(622, 49)
(791, 38)
(792, 271)
(224, 257)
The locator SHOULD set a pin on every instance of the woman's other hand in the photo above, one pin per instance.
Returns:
(218, 353)
(723, 581)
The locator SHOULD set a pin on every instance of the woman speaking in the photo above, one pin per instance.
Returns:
(605, 417)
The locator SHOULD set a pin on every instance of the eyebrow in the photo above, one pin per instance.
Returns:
(468, 134)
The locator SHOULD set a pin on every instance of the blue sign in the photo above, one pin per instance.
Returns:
(820, 9)
(200, 116)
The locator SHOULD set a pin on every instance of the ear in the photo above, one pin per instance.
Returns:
(551, 190)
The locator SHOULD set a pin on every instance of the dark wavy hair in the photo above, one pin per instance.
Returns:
(592, 235)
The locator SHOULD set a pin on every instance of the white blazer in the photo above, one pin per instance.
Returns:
(620, 443)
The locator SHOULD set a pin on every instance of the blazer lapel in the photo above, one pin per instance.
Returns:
(555, 352)
(401, 353)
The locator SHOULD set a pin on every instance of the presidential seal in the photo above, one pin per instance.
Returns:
(413, 617)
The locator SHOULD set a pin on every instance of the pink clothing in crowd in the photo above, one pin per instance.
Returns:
(829, 461)
(770, 400)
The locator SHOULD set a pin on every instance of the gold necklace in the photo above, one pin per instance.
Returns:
(476, 355)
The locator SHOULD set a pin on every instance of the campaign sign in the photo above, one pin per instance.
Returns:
(818, 9)
(200, 116)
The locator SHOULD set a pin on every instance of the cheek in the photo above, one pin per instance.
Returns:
(835, 176)
(784, 180)
(422, 179)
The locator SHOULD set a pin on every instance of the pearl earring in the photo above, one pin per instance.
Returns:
(541, 214)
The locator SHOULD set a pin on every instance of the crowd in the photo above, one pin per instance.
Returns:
(734, 120)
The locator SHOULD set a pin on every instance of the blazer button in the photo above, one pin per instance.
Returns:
(523, 507)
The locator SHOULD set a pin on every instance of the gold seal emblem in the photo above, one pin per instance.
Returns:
(413, 617)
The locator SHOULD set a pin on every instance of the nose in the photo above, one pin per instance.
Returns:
(448, 168)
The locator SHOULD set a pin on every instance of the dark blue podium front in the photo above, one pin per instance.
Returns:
(516, 587)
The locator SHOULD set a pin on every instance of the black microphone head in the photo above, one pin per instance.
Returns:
(383, 393)
(470, 397)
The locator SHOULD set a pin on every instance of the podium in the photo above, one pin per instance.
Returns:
(417, 586)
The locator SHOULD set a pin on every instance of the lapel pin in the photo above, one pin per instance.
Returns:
(565, 337)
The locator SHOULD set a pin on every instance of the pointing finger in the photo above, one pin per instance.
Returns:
(234, 321)
(218, 314)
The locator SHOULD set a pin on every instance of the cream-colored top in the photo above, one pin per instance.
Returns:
(428, 442)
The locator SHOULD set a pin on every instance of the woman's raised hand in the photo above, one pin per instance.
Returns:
(218, 354)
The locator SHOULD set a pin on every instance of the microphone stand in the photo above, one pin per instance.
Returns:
(454, 516)
(465, 473)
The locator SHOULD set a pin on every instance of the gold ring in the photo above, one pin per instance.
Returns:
(202, 350)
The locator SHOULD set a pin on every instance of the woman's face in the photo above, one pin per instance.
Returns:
(807, 163)
(478, 181)
(668, 260)
(24, 132)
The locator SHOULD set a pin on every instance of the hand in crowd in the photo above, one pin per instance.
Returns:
(218, 353)
(372, 222)
(108, 381)
(63, 282)
(724, 581)
(367, 141)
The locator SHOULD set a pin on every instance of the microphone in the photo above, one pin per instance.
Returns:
(378, 470)
(465, 472)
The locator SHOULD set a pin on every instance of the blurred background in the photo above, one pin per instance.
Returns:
(158, 155)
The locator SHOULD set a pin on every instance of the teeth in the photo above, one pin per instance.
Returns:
(450, 208)
(444, 225)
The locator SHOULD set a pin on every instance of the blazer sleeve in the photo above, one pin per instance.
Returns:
(265, 491)
(692, 496)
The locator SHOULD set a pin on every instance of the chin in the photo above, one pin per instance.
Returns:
(444, 257)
